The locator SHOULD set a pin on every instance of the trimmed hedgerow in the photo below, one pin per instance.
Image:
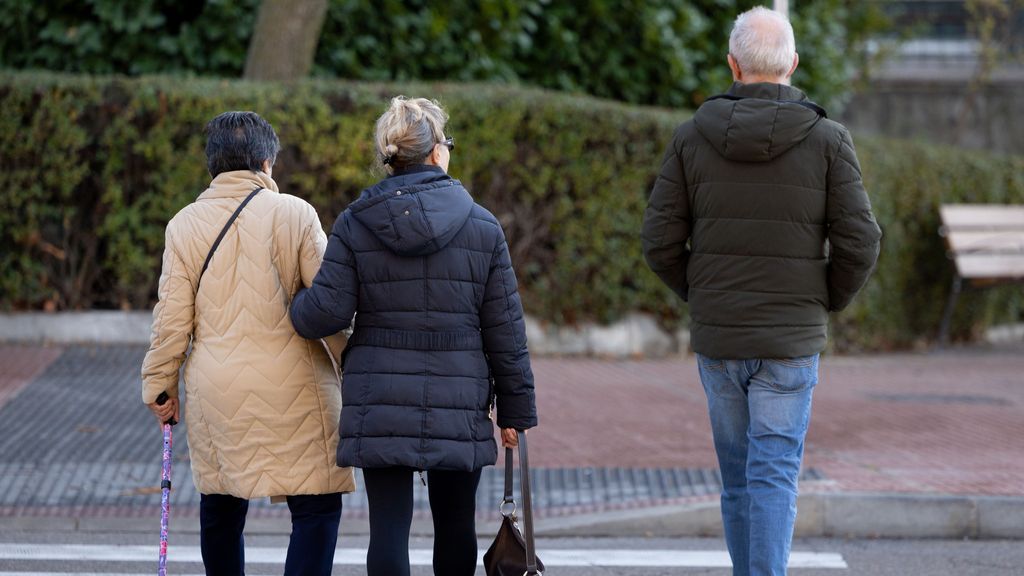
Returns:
(93, 169)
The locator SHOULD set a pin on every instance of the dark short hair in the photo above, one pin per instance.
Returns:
(239, 141)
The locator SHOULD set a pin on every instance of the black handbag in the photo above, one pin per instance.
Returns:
(512, 553)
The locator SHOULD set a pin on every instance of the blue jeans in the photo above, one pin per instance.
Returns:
(315, 520)
(760, 410)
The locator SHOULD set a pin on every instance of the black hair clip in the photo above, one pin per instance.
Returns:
(387, 160)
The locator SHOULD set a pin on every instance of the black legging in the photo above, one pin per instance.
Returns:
(452, 505)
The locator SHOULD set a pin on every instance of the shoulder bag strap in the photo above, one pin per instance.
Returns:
(224, 231)
(509, 471)
(524, 486)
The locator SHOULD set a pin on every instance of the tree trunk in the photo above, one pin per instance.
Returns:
(284, 41)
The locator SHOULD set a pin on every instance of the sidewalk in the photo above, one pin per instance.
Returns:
(906, 445)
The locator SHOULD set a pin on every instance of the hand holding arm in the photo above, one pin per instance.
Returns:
(327, 306)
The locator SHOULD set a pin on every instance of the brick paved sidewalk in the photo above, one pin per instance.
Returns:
(74, 439)
(951, 422)
(19, 365)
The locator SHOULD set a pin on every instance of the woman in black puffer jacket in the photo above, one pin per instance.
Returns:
(438, 337)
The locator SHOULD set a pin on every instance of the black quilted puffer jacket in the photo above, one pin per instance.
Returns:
(439, 327)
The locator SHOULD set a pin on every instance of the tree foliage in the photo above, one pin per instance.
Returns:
(660, 52)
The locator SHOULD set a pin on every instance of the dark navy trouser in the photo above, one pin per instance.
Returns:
(315, 522)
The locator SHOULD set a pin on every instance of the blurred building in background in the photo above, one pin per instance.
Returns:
(949, 72)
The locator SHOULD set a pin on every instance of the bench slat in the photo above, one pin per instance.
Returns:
(991, 266)
(985, 216)
(986, 241)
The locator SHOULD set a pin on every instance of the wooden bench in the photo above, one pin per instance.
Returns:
(986, 243)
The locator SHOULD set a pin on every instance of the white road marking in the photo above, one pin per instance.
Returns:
(417, 557)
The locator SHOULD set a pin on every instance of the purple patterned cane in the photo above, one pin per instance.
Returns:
(165, 487)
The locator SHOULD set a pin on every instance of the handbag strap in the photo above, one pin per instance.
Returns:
(524, 487)
(224, 231)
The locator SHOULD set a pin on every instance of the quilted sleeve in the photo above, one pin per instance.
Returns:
(504, 333)
(314, 244)
(173, 321)
(666, 226)
(853, 234)
(327, 306)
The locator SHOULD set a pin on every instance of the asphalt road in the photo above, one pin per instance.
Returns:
(861, 557)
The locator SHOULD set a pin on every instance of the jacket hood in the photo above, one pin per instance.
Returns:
(757, 122)
(414, 213)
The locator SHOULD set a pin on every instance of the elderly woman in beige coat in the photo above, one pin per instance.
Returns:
(263, 403)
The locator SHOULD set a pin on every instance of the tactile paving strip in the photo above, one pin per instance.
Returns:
(76, 440)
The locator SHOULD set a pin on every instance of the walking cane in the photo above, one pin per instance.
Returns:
(165, 487)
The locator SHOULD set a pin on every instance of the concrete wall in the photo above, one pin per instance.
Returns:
(636, 335)
(926, 103)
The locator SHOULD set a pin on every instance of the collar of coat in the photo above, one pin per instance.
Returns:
(766, 91)
(771, 91)
(417, 168)
(238, 183)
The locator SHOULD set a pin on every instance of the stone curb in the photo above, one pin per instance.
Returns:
(635, 335)
(842, 515)
(95, 326)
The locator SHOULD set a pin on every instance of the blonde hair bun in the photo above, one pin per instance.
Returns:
(407, 132)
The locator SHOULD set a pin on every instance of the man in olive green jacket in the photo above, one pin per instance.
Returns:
(759, 220)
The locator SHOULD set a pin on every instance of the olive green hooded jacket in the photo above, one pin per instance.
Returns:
(759, 219)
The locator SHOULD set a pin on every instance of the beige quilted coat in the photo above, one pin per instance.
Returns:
(262, 404)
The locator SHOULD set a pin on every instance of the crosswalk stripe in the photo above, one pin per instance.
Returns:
(417, 557)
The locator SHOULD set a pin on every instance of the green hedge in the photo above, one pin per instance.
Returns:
(902, 304)
(94, 167)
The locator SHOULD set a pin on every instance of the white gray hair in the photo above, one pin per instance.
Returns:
(762, 42)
